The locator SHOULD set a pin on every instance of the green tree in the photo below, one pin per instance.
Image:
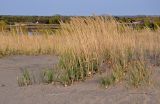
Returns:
(54, 20)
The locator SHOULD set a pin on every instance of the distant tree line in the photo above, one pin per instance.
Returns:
(11, 20)
(148, 21)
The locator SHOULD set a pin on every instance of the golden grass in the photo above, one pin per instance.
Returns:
(25, 44)
(84, 44)
(97, 35)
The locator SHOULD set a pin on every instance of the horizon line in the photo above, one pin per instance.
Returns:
(83, 15)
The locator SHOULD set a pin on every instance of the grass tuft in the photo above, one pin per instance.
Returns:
(107, 81)
(139, 74)
(25, 79)
(48, 76)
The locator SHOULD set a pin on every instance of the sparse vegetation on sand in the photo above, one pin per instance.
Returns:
(84, 44)
(25, 79)
(48, 76)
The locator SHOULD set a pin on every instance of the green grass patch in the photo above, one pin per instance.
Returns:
(25, 79)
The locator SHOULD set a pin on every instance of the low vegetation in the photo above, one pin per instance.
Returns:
(135, 74)
(48, 76)
(139, 74)
(25, 79)
(107, 81)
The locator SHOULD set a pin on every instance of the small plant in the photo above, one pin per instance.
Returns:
(107, 81)
(25, 79)
(64, 79)
(118, 72)
(48, 76)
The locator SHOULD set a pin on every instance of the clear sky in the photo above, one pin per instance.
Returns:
(79, 7)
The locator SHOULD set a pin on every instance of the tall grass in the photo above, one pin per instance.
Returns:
(86, 43)
(11, 44)
(83, 44)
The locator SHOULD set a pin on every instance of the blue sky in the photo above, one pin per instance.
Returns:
(79, 7)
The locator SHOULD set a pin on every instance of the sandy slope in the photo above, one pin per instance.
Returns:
(88, 92)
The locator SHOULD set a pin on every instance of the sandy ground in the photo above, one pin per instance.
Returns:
(88, 92)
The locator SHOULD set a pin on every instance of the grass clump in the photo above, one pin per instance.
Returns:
(76, 67)
(135, 73)
(107, 81)
(48, 76)
(139, 74)
(25, 79)
(64, 80)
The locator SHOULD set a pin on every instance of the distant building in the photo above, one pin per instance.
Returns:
(138, 22)
(37, 22)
